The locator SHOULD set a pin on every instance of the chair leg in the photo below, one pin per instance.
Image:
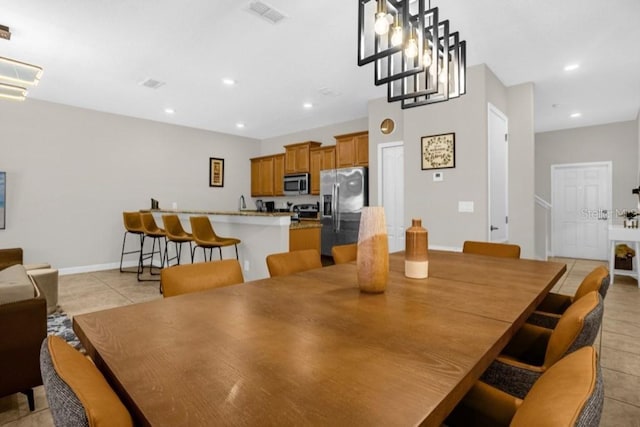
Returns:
(30, 399)
(220, 250)
(123, 253)
(191, 250)
(237, 252)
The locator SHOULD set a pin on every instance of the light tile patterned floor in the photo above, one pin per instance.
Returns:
(620, 352)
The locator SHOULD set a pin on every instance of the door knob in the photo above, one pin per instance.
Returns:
(493, 228)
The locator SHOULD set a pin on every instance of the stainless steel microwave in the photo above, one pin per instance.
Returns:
(295, 185)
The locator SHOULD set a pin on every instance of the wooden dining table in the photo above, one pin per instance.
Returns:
(311, 349)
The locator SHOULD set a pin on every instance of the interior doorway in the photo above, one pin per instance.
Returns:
(581, 197)
(391, 191)
(498, 166)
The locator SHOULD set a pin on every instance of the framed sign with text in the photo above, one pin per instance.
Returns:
(216, 172)
(439, 151)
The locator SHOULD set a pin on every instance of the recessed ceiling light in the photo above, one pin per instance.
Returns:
(575, 115)
(169, 110)
(228, 81)
(240, 125)
(571, 67)
(307, 105)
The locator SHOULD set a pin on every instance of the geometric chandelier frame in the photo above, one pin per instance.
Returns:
(415, 54)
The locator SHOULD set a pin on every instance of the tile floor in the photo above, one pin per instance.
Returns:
(620, 352)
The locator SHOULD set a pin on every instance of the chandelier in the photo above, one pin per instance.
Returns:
(415, 54)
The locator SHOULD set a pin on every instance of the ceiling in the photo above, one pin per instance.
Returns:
(95, 54)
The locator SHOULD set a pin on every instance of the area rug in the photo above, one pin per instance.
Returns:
(59, 324)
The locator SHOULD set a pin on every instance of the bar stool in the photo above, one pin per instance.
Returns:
(133, 225)
(151, 230)
(177, 235)
(206, 238)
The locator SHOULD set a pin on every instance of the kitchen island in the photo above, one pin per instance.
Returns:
(261, 233)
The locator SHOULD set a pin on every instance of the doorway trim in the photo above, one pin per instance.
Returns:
(554, 210)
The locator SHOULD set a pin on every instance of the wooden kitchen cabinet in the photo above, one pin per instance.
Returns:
(297, 157)
(267, 175)
(320, 158)
(352, 149)
(304, 238)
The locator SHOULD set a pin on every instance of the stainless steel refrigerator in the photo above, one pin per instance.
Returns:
(343, 193)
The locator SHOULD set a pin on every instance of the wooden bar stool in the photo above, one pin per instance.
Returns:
(157, 234)
(177, 235)
(206, 238)
(132, 225)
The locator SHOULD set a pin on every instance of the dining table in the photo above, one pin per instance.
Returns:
(312, 349)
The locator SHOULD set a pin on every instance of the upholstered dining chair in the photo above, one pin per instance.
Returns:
(534, 349)
(77, 393)
(550, 310)
(286, 263)
(344, 253)
(570, 393)
(132, 225)
(183, 279)
(206, 238)
(502, 250)
(157, 235)
(177, 235)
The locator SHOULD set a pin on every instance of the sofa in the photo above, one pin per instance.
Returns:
(23, 322)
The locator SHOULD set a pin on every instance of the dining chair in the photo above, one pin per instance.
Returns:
(344, 253)
(132, 225)
(206, 238)
(177, 235)
(184, 279)
(533, 349)
(157, 235)
(286, 263)
(570, 393)
(502, 250)
(77, 393)
(549, 311)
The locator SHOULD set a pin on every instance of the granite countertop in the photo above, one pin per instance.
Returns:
(238, 213)
(295, 225)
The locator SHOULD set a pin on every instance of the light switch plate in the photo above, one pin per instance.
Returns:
(465, 207)
(438, 176)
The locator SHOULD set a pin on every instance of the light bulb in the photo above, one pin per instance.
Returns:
(426, 58)
(442, 76)
(412, 48)
(396, 36)
(381, 26)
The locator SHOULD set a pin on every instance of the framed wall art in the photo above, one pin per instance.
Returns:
(439, 151)
(216, 172)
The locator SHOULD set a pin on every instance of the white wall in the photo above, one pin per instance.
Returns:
(615, 142)
(72, 172)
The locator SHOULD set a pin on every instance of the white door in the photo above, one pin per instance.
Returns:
(581, 200)
(391, 191)
(498, 176)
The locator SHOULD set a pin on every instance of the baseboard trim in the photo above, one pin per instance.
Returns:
(100, 267)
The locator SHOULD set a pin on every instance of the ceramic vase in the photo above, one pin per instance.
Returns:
(373, 251)
(416, 258)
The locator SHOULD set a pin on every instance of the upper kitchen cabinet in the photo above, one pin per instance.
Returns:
(320, 158)
(352, 149)
(296, 157)
(267, 175)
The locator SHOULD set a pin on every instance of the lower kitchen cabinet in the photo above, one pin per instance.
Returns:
(304, 238)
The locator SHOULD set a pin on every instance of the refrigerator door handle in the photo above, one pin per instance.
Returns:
(333, 207)
(337, 207)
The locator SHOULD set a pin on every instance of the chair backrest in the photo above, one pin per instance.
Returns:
(597, 280)
(202, 229)
(577, 328)
(344, 253)
(183, 279)
(502, 250)
(77, 392)
(9, 257)
(285, 263)
(570, 393)
(148, 223)
(172, 226)
(132, 222)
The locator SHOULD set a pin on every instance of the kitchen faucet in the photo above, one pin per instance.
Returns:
(242, 204)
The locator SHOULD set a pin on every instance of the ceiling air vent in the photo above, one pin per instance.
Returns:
(151, 83)
(5, 33)
(265, 11)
